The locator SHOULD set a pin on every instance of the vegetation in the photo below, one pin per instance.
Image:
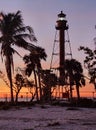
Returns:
(74, 75)
(20, 82)
(90, 63)
(49, 81)
(13, 32)
(33, 64)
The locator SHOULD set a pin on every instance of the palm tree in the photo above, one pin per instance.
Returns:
(33, 64)
(30, 67)
(79, 81)
(13, 32)
(74, 75)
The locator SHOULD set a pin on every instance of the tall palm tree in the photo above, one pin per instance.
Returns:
(30, 67)
(33, 64)
(74, 73)
(13, 32)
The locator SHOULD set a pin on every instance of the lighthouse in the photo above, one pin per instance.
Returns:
(61, 26)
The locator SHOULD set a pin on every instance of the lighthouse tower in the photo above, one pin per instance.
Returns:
(61, 26)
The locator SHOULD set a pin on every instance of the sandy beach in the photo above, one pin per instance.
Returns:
(48, 118)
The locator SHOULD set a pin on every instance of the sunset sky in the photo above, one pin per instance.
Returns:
(42, 16)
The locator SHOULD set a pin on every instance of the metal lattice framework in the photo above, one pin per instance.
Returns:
(54, 65)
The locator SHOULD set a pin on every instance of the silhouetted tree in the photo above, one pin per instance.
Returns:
(33, 64)
(74, 75)
(13, 32)
(19, 83)
(49, 80)
(90, 63)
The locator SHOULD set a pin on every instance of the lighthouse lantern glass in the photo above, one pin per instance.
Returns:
(61, 18)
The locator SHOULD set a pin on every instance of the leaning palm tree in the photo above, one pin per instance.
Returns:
(74, 75)
(13, 32)
(33, 64)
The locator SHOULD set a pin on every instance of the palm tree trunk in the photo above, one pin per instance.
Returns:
(39, 82)
(78, 93)
(71, 94)
(16, 100)
(11, 91)
(36, 86)
(9, 75)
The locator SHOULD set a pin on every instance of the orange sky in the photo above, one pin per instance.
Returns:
(86, 91)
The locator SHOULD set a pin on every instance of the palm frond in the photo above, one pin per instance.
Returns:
(16, 52)
(31, 37)
(22, 43)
